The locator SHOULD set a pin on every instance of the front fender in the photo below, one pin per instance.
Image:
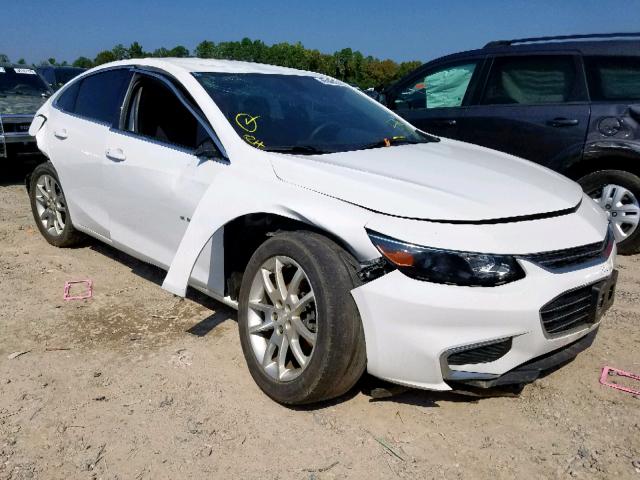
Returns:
(232, 196)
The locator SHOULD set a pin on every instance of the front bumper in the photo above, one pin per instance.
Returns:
(14, 136)
(411, 326)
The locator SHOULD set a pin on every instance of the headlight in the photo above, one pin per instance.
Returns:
(448, 266)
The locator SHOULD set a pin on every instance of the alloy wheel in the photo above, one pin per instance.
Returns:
(51, 205)
(621, 206)
(282, 318)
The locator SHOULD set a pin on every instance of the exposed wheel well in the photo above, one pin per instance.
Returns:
(243, 235)
(607, 162)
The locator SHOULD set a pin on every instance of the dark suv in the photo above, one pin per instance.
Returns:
(22, 92)
(570, 103)
(56, 77)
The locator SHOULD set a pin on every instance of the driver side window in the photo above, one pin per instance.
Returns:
(157, 113)
(443, 88)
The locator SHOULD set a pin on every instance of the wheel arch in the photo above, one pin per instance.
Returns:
(610, 156)
(250, 203)
(243, 235)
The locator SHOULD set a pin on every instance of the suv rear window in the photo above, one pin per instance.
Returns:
(100, 95)
(531, 80)
(613, 78)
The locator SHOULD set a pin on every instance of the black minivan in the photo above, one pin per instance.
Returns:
(570, 103)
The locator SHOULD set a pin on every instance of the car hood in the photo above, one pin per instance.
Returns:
(447, 180)
(20, 104)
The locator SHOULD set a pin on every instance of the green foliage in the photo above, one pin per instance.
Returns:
(346, 64)
(22, 61)
(105, 56)
(83, 62)
(4, 58)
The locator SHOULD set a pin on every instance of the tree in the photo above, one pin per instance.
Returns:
(135, 51)
(105, 56)
(205, 49)
(83, 62)
(161, 52)
(4, 58)
(22, 61)
(52, 61)
(120, 52)
(179, 51)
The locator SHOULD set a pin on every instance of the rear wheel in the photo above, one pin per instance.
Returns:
(49, 207)
(618, 193)
(299, 326)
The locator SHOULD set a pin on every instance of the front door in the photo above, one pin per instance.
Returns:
(155, 179)
(433, 100)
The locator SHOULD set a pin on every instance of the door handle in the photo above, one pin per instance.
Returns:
(564, 122)
(61, 134)
(115, 154)
(446, 123)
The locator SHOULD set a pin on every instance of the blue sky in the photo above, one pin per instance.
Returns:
(37, 29)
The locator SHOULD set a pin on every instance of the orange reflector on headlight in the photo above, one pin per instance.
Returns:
(400, 258)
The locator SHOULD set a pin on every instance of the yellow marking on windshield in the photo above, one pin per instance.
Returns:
(253, 141)
(247, 122)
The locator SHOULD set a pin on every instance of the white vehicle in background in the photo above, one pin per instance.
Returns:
(347, 239)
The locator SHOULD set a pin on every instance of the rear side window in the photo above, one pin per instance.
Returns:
(531, 80)
(100, 95)
(442, 88)
(67, 100)
(613, 78)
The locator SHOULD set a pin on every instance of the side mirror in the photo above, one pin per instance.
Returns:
(207, 151)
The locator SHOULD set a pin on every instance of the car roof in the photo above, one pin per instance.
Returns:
(210, 65)
(599, 47)
(16, 65)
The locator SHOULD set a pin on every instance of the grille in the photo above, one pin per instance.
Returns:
(568, 311)
(573, 256)
(483, 354)
(16, 127)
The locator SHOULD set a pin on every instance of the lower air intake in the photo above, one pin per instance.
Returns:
(482, 354)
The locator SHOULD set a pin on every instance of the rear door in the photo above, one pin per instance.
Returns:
(534, 106)
(79, 125)
(614, 87)
(435, 97)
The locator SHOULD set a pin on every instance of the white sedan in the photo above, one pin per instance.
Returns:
(347, 239)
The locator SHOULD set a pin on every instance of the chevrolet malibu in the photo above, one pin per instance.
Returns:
(346, 238)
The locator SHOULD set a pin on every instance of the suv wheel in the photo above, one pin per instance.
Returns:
(300, 329)
(49, 207)
(618, 193)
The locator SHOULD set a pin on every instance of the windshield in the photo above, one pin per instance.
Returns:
(304, 114)
(21, 81)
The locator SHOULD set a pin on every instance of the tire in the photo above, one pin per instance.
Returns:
(594, 184)
(56, 227)
(337, 358)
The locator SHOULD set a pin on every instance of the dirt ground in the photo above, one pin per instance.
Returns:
(136, 383)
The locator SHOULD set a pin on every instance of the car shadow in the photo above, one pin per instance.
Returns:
(153, 274)
(13, 177)
(16, 171)
(377, 390)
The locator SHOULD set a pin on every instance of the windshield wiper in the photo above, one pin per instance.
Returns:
(387, 142)
(299, 149)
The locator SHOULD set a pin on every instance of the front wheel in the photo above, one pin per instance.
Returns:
(618, 193)
(300, 329)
